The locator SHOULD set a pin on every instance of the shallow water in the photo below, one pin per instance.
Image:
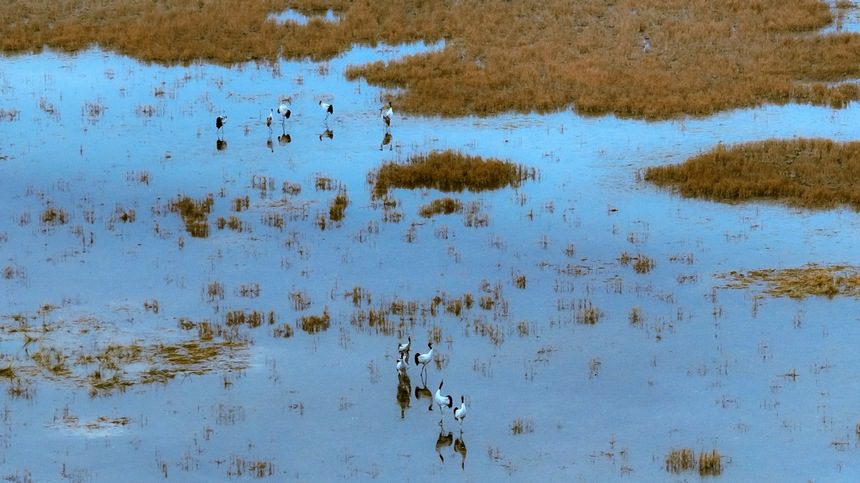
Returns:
(770, 383)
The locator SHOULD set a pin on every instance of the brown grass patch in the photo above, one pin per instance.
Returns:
(54, 216)
(704, 56)
(680, 460)
(441, 206)
(194, 213)
(710, 464)
(315, 323)
(449, 171)
(338, 206)
(810, 173)
(809, 280)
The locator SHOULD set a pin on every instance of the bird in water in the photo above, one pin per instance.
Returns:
(424, 358)
(461, 410)
(220, 121)
(328, 108)
(269, 119)
(387, 114)
(442, 401)
(285, 112)
(403, 347)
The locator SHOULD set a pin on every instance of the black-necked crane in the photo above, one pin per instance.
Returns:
(285, 112)
(220, 121)
(461, 410)
(424, 358)
(387, 114)
(328, 108)
(403, 347)
(442, 400)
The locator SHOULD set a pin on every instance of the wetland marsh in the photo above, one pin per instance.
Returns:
(182, 304)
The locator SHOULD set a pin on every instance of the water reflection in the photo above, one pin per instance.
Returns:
(460, 448)
(220, 144)
(284, 139)
(386, 141)
(443, 441)
(328, 133)
(422, 392)
(403, 393)
(270, 145)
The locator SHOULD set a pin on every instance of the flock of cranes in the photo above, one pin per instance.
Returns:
(438, 399)
(441, 400)
(284, 112)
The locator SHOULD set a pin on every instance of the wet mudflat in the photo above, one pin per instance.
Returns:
(191, 304)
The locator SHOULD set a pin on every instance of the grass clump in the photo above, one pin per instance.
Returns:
(338, 206)
(449, 171)
(522, 426)
(441, 206)
(641, 263)
(809, 280)
(587, 314)
(315, 323)
(195, 214)
(679, 460)
(809, 173)
(54, 216)
(7, 372)
(710, 464)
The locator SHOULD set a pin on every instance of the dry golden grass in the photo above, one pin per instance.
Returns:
(680, 460)
(809, 280)
(704, 56)
(812, 173)
(441, 206)
(315, 323)
(710, 464)
(194, 213)
(449, 171)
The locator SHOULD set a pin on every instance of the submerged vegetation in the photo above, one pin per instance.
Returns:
(810, 173)
(441, 206)
(106, 367)
(700, 57)
(809, 280)
(195, 214)
(680, 460)
(708, 463)
(450, 171)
